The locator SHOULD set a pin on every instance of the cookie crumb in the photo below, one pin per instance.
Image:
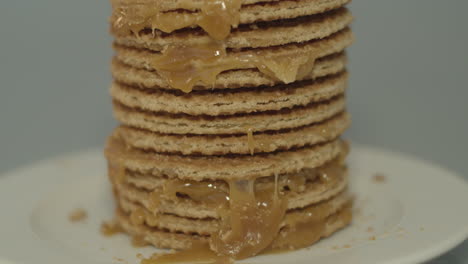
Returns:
(77, 215)
(121, 260)
(347, 246)
(373, 238)
(379, 178)
(110, 228)
(370, 229)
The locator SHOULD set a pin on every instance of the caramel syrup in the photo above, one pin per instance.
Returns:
(139, 241)
(252, 222)
(137, 217)
(250, 140)
(198, 253)
(185, 66)
(216, 17)
(208, 192)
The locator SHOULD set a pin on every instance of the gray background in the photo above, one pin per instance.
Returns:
(408, 88)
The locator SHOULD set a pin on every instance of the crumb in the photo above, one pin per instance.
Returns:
(77, 215)
(372, 238)
(110, 228)
(120, 260)
(335, 248)
(370, 229)
(379, 178)
(139, 256)
(421, 229)
(347, 246)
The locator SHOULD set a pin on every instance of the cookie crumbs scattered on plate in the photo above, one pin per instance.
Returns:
(379, 178)
(110, 228)
(77, 215)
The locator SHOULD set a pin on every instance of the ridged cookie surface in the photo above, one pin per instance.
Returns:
(238, 143)
(227, 167)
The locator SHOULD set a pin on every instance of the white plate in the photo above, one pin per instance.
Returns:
(417, 213)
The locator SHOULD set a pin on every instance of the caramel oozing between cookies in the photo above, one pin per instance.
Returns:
(183, 67)
(216, 193)
(216, 17)
(208, 192)
(252, 222)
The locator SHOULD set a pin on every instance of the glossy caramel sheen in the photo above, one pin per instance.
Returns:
(216, 17)
(183, 67)
(208, 192)
(251, 224)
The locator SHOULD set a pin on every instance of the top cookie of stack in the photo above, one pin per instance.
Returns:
(230, 91)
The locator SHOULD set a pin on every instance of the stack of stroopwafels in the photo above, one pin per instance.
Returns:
(231, 113)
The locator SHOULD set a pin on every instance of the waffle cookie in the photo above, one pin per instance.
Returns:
(231, 114)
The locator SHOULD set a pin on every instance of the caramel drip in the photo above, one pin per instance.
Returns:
(219, 16)
(118, 170)
(139, 241)
(154, 201)
(198, 253)
(310, 230)
(252, 223)
(215, 193)
(207, 192)
(183, 67)
(302, 235)
(296, 183)
(110, 228)
(250, 140)
(137, 217)
(329, 173)
(216, 17)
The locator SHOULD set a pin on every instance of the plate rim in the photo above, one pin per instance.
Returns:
(425, 254)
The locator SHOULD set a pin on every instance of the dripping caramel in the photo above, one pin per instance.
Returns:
(185, 66)
(250, 140)
(310, 229)
(139, 241)
(216, 193)
(207, 192)
(252, 224)
(198, 253)
(216, 17)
